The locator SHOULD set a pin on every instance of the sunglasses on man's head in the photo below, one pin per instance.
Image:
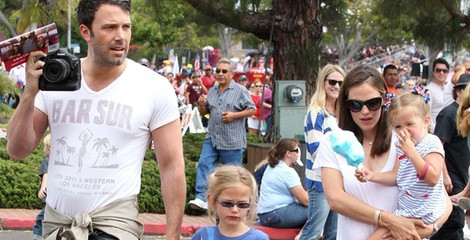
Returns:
(444, 70)
(333, 82)
(372, 104)
(224, 71)
(231, 204)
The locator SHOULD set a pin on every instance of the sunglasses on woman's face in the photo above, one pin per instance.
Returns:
(231, 204)
(294, 150)
(372, 104)
(333, 82)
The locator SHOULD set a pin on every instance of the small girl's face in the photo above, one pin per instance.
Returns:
(409, 119)
(232, 216)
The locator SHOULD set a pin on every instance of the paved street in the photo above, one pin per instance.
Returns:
(27, 235)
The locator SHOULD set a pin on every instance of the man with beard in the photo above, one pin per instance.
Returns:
(92, 191)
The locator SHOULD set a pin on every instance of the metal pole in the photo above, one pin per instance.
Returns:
(69, 31)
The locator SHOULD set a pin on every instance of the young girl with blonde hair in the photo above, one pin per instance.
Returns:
(232, 195)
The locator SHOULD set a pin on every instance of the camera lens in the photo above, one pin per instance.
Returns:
(55, 70)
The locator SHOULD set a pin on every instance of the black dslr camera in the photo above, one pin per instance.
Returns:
(61, 72)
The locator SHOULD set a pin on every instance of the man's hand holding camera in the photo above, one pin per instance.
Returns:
(33, 72)
(57, 71)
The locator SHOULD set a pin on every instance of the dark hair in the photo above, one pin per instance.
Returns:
(358, 76)
(439, 60)
(278, 151)
(389, 66)
(86, 9)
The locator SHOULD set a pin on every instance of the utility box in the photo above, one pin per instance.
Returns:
(290, 108)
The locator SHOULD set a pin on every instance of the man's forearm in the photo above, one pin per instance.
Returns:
(202, 109)
(245, 113)
(22, 139)
(173, 186)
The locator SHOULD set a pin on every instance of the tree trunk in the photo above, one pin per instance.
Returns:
(296, 35)
(296, 40)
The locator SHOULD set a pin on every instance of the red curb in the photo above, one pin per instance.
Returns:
(160, 229)
(22, 223)
(18, 223)
(149, 228)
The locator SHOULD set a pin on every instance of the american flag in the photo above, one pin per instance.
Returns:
(197, 66)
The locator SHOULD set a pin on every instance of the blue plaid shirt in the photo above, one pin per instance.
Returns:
(232, 135)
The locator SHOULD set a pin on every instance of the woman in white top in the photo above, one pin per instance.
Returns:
(364, 206)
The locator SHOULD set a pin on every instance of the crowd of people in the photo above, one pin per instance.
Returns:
(414, 140)
(415, 157)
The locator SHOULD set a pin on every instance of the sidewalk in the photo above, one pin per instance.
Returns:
(154, 224)
(20, 219)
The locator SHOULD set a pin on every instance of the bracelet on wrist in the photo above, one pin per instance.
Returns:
(377, 216)
(423, 172)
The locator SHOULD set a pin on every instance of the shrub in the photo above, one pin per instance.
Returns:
(20, 180)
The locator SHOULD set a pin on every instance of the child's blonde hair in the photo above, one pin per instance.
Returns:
(408, 99)
(230, 176)
(47, 142)
(462, 114)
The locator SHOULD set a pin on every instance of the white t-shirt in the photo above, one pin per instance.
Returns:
(377, 195)
(99, 139)
(438, 101)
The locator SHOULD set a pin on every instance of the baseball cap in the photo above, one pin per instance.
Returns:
(145, 62)
(463, 81)
(242, 78)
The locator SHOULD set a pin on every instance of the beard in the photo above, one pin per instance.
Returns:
(103, 57)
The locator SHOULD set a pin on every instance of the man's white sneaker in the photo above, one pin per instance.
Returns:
(198, 204)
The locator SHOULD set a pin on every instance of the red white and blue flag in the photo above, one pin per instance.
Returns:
(197, 66)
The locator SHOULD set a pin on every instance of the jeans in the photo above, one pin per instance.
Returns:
(37, 228)
(208, 162)
(293, 215)
(453, 227)
(320, 217)
(100, 235)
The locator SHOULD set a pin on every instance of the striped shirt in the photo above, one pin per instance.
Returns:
(416, 199)
(231, 135)
(314, 129)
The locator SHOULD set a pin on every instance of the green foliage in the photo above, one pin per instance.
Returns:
(431, 23)
(158, 26)
(6, 86)
(150, 194)
(20, 181)
(193, 145)
(31, 14)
